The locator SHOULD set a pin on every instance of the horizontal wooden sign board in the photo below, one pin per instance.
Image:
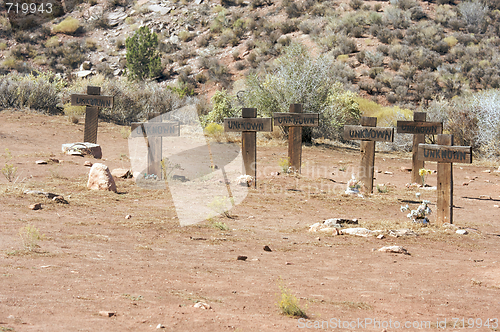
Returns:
(155, 129)
(296, 119)
(414, 127)
(445, 153)
(247, 124)
(382, 134)
(92, 100)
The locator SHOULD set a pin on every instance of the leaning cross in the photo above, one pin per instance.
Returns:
(153, 131)
(419, 128)
(368, 133)
(93, 100)
(295, 120)
(249, 124)
(445, 154)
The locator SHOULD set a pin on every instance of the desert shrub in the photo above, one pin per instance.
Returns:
(143, 60)
(417, 13)
(424, 58)
(451, 41)
(227, 38)
(399, 19)
(384, 49)
(345, 45)
(373, 72)
(384, 35)
(72, 54)
(292, 9)
(473, 12)
(373, 59)
(426, 85)
(225, 106)
(403, 4)
(395, 65)
(356, 4)
(68, 26)
(218, 72)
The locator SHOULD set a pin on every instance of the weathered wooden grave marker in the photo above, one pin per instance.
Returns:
(249, 124)
(93, 100)
(419, 128)
(445, 154)
(153, 131)
(368, 133)
(295, 120)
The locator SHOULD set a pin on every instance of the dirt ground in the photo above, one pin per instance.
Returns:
(148, 270)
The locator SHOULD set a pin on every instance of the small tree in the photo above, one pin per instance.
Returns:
(143, 59)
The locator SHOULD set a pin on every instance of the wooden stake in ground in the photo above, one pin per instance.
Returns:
(419, 128)
(295, 120)
(445, 154)
(93, 100)
(248, 125)
(368, 133)
(153, 131)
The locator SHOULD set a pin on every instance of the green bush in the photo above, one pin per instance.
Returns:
(143, 59)
(68, 26)
(224, 107)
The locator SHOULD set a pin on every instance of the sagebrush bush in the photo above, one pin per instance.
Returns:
(143, 60)
(224, 106)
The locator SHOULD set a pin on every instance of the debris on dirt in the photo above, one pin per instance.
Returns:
(288, 263)
(81, 149)
(275, 173)
(41, 162)
(107, 313)
(160, 326)
(266, 248)
(395, 250)
(320, 227)
(87, 163)
(198, 238)
(462, 232)
(100, 178)
(358, 231)
(340, 221)
(245, 180)
(405, 169)
(484, 197)
(487, 171)
(60, 199)
(388, 173)
(242, 258)
(36, 206)
(402, 232)
(380, 236)
(202, 305)
(128, 216)
(121, 173)
(38, 192)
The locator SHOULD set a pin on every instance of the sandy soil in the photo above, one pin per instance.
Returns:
(148, 270)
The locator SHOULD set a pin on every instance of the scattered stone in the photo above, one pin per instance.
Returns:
(266, 248)
(198, 2)
(87, 163)
(379, 171)
(55, 160)
(484, 197)
(128, 216)
(107, 313)
(358, 231)
(245, 180)
(36, 206)
(242, 258)
(121, 173)
(487, 171)
(100, 178)
(60, 199)
(83, 73)
(380, 236)
(37, 192)
(402, 232)
(41, 162)
(86, 65)
(341, 221)
(159, 326)
(81, 149)
(394, 249)
(117, 17)
(405, 169)
(462, 232)
(496, 206)
(288, 263)
(202, 305)
(180, 178)
(465, 184)
(387, 172)
(275, 173)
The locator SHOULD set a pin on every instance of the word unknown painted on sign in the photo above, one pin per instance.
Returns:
(369, 133)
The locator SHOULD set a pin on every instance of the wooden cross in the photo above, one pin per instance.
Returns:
(419, 128)
(295, 120)
(153, 131)
(445, 154)
(93, 100)
(368, 133)
(249, 124)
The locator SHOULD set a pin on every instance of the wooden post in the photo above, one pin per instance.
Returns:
(91, 117)
(248, 125)
(419, 128)
(92, 100)
(444, 185)
(417, 164)
(445, 154)
(295, 142)
(367, 164)
(249, 146)
(295, 120)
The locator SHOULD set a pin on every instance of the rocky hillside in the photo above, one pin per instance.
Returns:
(403, 52)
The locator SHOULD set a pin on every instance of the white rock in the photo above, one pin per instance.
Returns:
(121, 173)
(82, 149)
(316, 227)
(100, 178)
(380, 236)
(462, 232)
(358, 231)
(202, 305)
(159, 326)
(394, 249)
